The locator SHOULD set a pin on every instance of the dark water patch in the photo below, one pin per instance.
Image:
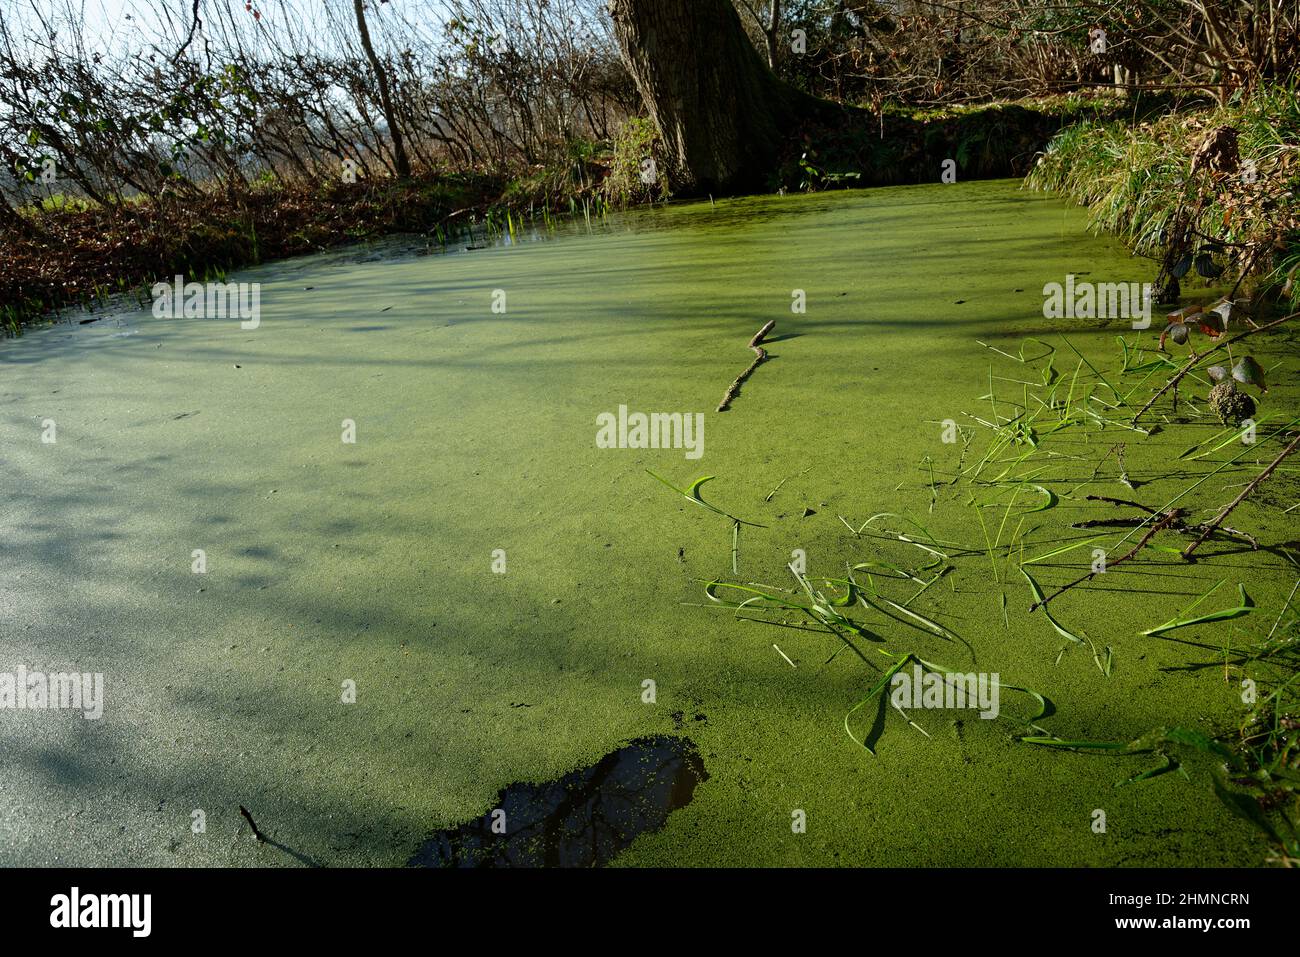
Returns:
(581, 820)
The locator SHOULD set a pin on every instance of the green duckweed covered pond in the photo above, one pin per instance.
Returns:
(373, 562)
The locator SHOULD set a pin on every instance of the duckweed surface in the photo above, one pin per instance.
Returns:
(372, 563)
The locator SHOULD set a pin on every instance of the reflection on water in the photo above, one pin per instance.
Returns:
(581, 820)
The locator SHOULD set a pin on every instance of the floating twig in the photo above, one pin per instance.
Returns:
(760, 354)
(768, 497)
(1176, 526)
(1123, 472)
(1214, 523)
(1169, 517)
(257, 834)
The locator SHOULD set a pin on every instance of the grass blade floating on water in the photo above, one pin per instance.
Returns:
(1226, 614)
(1038, 597)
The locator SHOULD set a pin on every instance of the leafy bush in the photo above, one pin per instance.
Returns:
(637, 158)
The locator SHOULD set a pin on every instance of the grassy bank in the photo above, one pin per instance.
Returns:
(1136, 180)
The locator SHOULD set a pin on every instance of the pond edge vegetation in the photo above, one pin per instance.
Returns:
(1254, 767)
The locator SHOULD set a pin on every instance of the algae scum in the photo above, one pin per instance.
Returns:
(394, 637)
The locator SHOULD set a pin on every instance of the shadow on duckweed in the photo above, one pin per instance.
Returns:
(580, 820)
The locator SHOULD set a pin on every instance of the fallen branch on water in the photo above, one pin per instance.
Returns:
(1179, 526)
(1195, 359)
(1214, 523)
(1168, 519)
(759, 355)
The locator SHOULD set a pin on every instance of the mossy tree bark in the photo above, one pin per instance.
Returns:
(723, 116)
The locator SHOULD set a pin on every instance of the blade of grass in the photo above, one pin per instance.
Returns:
(1226, 614)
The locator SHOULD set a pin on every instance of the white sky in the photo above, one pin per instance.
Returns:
(113, 26)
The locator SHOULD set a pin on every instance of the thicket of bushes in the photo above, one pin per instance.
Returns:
(81, 253)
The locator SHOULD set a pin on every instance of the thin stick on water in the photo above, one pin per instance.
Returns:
(760, 354)
(1169, 518)
(257, 834)
(769, 495)
(1215, 522)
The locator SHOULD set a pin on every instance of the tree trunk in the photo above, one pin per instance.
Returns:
(722, 115)
(772, 34)
(400, 161)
